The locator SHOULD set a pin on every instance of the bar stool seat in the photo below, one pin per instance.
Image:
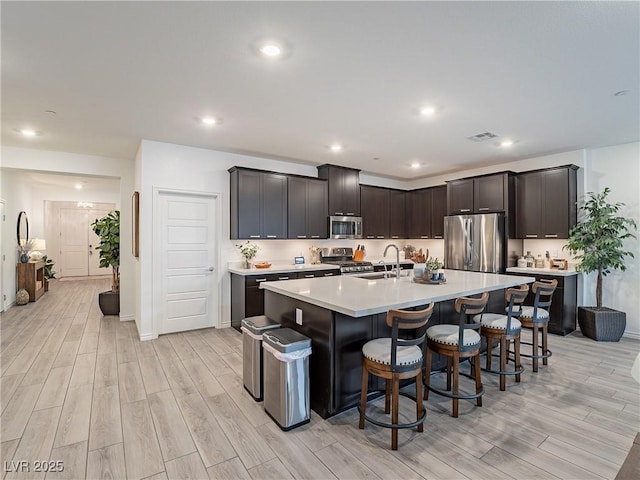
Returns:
(457, 342)
(396, 359)
(527, 313)
(504, 329)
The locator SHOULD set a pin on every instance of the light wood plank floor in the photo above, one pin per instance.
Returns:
(81, 389)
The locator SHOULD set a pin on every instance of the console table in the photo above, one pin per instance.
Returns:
(31, 278)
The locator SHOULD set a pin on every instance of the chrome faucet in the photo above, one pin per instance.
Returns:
(397, 258)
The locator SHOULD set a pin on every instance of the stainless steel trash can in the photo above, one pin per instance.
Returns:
(286, 377)
(252, 367)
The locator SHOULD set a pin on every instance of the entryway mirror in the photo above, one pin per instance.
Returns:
(22, 228)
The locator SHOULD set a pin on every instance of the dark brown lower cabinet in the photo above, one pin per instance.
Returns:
(247, 298)
(563, 304)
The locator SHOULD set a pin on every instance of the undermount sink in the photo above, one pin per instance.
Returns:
(375, 276)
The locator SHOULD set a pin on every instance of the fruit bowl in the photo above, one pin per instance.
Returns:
(262, 265)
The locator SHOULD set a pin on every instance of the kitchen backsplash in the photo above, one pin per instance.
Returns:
(554, 247)
(284, 251)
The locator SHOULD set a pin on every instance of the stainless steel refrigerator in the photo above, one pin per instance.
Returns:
(475, 242)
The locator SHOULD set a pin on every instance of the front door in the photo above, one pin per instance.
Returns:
(187, 261)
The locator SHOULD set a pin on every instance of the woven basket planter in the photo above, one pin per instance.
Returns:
(602, 324)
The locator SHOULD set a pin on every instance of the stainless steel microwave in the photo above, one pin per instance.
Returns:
(345, 227)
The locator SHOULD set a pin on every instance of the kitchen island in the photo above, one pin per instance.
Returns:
(341, 313)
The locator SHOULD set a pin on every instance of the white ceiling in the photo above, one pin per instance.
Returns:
(541, 73)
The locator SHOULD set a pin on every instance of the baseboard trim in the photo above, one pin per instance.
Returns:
(635, 336)
(148, 336)
(127, 318)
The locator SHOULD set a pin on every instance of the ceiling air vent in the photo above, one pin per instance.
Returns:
(481, 137)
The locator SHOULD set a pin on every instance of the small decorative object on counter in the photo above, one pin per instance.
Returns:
(539, 262)
(248, 251)
(315, 254)
(522, 262)
(530, 260)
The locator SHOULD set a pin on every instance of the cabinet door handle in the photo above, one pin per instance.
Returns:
(339, 213)
(424, 236)
(272, 236)
(309, 276)
(465, 209)
(258, 280)
(531, 236)
(380, 236)
(328, 274)
(283, 278)
(437, 236)
(371, 236)
(350, 213)
(394, 236)
(302, 236)
(483, 209)
(551, 235)
(315, 236)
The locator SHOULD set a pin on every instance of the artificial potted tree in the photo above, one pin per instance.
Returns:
(107, 229)
(596, 241)
(49, 273)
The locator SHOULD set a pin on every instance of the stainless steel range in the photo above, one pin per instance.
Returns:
(344, 257)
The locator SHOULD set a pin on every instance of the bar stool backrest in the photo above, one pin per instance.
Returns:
(467, 306)
(407, 320)
(543, 290)
(515, 297)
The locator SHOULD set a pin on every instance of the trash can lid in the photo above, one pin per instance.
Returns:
(259, 324)
(286, 340)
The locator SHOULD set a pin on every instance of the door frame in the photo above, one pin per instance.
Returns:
(157, 308)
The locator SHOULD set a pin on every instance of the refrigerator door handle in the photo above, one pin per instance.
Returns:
(468, 227)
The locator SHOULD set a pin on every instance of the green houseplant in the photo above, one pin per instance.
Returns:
(48, 271)
(107, 229)
(596, 241)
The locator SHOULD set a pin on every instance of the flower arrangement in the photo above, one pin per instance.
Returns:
(433, 264)
(248, 250)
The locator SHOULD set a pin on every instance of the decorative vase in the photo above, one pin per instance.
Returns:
(24, 258)
(248, 263)
(602, 324)
(22, 297)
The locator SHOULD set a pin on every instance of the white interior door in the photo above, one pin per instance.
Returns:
(187, 261)
(74, 243)
(94, 241)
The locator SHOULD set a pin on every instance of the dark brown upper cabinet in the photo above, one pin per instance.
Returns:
(344, 189)
(258, 204)
(426, 209)
(374, 202)
(485, 194)
(397, 214)
(307, 210)
(546, 202)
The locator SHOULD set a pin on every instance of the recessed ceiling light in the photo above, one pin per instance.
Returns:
(336, 147)
(27, 132)
(271, 50)
(209, 120)
(427, 111)
(506, 143)
(78, 186)
(415, 165)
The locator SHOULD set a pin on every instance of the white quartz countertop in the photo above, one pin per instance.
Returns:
(543, 271)
(358, 297)
(282, 267)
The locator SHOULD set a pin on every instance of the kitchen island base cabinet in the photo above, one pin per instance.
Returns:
(335, 365)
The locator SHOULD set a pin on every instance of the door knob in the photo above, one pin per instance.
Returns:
(211, 269)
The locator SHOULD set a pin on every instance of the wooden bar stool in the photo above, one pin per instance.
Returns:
(395, 359)
(537, 318)
(503, 329)
(456, 342)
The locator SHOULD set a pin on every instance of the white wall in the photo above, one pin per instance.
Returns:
(18, 196)
(618, 168)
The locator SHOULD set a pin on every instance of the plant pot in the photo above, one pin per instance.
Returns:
(46, 284)
(602, 324)
(109, 303)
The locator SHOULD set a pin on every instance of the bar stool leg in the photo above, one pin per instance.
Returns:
(489, 352)
(387, 396)
(448, 374)
(419, 404)
(363, 396)
(534, 347)
(394, 412)
(516, 352)
(456, 388)
(545, 360)
(478, 379)
(427, 373)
